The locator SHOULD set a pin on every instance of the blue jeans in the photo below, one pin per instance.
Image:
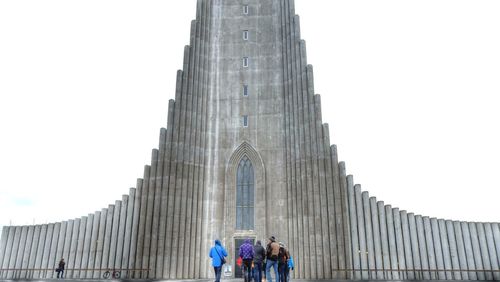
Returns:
(257, 272)
(218, 270)
(274, 264)
(61, 272)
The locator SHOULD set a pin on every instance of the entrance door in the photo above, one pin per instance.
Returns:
(238, 270)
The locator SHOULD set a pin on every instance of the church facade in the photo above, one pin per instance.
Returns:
(246, 155)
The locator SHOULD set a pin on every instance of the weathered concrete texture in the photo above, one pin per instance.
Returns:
(302, 194)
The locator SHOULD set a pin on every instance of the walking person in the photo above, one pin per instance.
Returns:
(272, 252)
(218, 254)
(60, 269)
(283, 257)
(247, 254)
(291, 266)
(258, 261)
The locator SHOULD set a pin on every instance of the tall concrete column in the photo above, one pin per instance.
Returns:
(379, 265)
(484, 250)
(370, 250)
(354, 228)
(79, 246)
(114, 235)
(135, 229)
(386, 255)
(492, 251)
(87, 237)
(71, 262)
(33, 252)
(462, 257)
(128, 233)
(13, 255)
(20, 252)
(398, 232)
(429, 240)
(407, 245)
(415, 248)
(8, 251)
(46, 251)
(478, 259)
(93, 245)
(446, 248)
(60, 241)
(39, 252)
(453, 250)
(142, 221)
(424, 255)
(361, 231)
(120, 242)
(98, 265)
(107, 239)
(392, 242)
(438, 249)
(52, 260)
(3, 244)
(27, 252)
(469, 253)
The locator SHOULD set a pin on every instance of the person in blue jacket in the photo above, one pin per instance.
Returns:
(218, 254)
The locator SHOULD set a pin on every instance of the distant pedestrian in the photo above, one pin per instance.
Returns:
(272, 252)
(218, 254)
(291, 266)
(283, 257)
(246, 254)
(258, 260)
(60, 269)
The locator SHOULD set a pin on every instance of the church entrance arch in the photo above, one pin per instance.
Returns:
(245, 199)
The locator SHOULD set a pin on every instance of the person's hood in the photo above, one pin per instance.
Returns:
(217, 242)
(259, 243)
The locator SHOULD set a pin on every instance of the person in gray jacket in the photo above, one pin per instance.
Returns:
(258, 261)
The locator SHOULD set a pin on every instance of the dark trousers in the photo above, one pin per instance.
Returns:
(283, 270)
(218, 270)
(257, 271)
(60, 272)
(247, 269)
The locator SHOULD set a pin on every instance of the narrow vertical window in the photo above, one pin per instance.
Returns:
(245, 62)
(245, 121)
(245, 90)
(245, 9)
(245, 35)
(245, 195)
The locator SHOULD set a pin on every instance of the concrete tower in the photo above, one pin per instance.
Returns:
(246, 155)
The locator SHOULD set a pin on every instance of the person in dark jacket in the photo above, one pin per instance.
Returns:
(246, 254)
(217, 253)
(272, 252)
(60, 269)
(283, 257)
(258, 260)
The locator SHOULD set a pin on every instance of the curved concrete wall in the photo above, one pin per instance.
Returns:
(388, 243)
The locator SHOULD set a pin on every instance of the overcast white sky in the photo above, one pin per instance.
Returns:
(410, 89)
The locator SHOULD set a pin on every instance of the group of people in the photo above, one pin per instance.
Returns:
(256, 259)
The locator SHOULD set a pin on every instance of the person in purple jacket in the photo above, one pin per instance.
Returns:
(246, 254)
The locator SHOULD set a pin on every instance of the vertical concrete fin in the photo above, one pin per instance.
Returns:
(20, 251)
(120, 242)
(484, 250)
(438, 249)
(114, 234)
(415, 249)
(355, 249)
(135, 229)
(377, 245)
(89, 274)
(107, 239)
(384, 238)
(370, 249)
(405, 225)
(79, 246)
(60, 244)
(86, 246)
(476, 249)
(429, 239)
(398, 232)
(392, 242)
(26, 253)
(445, 245)
(52, 260)
(491, 251)
(453, 250)
(469, 252)
(128, 230)
(424, 254)
(462, 257)
(98, 265)
(149, 212)
(361, 231)
(158, 179)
